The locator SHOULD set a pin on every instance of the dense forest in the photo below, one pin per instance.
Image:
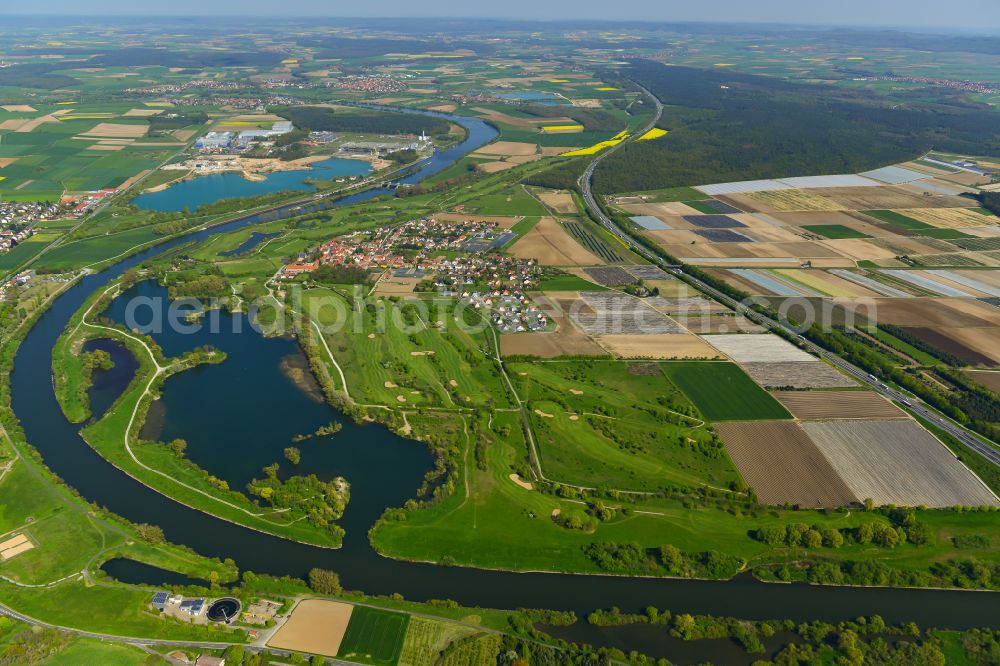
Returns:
(35, 75)
(730, 126)
(136, 56)
(317, 118)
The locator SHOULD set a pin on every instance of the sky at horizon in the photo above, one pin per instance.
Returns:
(982, 15)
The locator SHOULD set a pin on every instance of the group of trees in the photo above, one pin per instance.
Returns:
(966, 573)
(97, 359)
(404, 156)
(632, 558)
(323, 581)
(202, 287)
(343, 274)
(902, 527)
(322, 502)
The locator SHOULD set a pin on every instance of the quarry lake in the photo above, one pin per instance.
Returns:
(202, 190)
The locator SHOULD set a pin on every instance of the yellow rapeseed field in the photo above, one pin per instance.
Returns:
(593, 150)
(654, 133)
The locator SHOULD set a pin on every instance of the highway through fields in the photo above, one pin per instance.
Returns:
(910, 402)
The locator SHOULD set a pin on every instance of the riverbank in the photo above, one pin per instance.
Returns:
(55, 579)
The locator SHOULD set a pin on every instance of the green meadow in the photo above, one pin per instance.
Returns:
(618, 424)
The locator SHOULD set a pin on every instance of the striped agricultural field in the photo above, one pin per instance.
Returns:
(781, 464)
(897, 462)
(825, 405)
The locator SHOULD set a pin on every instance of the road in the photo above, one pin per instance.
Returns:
(910, 402)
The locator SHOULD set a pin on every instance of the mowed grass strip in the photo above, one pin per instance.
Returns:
(374, 636)
(723, 392)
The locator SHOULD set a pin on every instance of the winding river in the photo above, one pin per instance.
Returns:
(374, 487)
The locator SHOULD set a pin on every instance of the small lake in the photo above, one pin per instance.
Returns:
(215, 187)
(107, 385)
(140, 573)
(239, 415)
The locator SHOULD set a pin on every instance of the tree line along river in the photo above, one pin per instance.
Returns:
(377, 486)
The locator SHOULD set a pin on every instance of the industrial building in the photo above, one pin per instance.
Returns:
(215, 141)
(277, 129)
(377, 147)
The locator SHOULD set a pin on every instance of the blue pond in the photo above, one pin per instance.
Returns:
(215, 187)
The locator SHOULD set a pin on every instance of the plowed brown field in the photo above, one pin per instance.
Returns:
(779, 461)
(821, 405)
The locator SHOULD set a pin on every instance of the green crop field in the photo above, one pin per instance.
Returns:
(917, 355)
(672, 194)
(514, 201)
(835, 231)
(87, 251)
(26, 250)
(945, 234)
(525, 225)
(898, 219)
(374, 636)
(723, 392)
(54, 158)
(568, 283)
(702, 207)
